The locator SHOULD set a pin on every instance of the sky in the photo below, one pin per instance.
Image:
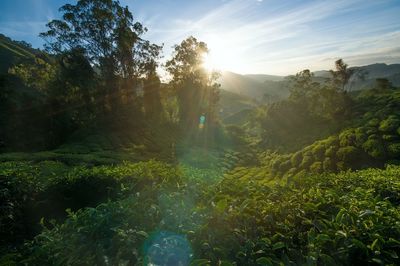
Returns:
(278, 37)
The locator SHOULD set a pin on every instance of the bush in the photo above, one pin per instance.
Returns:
(331, 152)
(296, 159)
(347, 138)
(394, 150)
(316, 167)
(390, 138)
(318, 151)
(306, 162)
(348, 155)
(374, 148)
(390, 124)
(329, 165)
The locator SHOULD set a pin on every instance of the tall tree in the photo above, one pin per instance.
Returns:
(196, 88)
(111, 42)
(302, 85)
(342, 74)
(151, 97)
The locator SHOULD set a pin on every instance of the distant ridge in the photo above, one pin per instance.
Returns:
(271, 87)
(265, 77)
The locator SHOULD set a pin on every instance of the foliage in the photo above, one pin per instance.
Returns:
(348, 218)
(196, 89)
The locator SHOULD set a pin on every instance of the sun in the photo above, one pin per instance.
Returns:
(209, 62)
(222, 55)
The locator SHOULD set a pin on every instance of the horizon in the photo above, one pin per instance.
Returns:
(248, 37)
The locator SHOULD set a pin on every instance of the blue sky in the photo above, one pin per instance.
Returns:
(248, 36)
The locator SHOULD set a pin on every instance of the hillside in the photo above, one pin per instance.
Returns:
(13, 52)
(104, 161)
(231, 103)
(270, 88)
(260, 87)
(265, 77)
(370, 73)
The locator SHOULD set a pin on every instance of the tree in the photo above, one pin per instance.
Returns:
(341, 75)
(196, 88)
(382, 84)
(111, 42)
(302, 85)
(151, 97)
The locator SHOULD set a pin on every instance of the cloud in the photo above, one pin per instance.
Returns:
(267, 40)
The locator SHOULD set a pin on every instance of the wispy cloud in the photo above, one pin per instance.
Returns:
(267, 40)
(250, 36)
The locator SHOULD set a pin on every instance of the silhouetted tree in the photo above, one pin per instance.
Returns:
(196, 88)
(341, 75)
(111, 42)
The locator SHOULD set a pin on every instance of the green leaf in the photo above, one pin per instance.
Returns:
(340, 232)
(323, 238)
(340, 215)
(200, 262)
(225, 263)
(373, 245)
(264, 261)
(221, 205)
(359, 244)
(327, 260)
(278, 245)
(142, 233)
(266, 240)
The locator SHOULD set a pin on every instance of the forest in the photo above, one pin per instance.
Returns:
(105, 161)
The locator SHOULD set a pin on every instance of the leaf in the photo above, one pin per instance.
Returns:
(366, 213)
(278, 245)
(225, 263)
(327, 260)
(200, 262)
(142, 233)
(374, 244)
(340, 215)
(264, 261)
(266, 240)
(340, 232)
(378, 261)
(221, 205)
(359, 244)
(323, 237)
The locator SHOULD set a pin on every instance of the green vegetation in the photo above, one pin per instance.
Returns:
(103, 163)
(242, 216)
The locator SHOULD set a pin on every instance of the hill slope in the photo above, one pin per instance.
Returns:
(13, 52)
(270, 88)
(258, 87)
(231, 103)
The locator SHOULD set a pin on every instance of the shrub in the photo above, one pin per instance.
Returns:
(316, 167)
(373, 122)
(328, 165)
(390, 124)
(306, 162)
(374, 148)
(285, 166)
(318, 151)
(360, 135)
(347, 138)
(331, 151)
(390, 138)
(394, 150)
(348, 155)
(296, 159)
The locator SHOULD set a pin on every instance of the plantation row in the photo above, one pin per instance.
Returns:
(162, 214)
(371, 141)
